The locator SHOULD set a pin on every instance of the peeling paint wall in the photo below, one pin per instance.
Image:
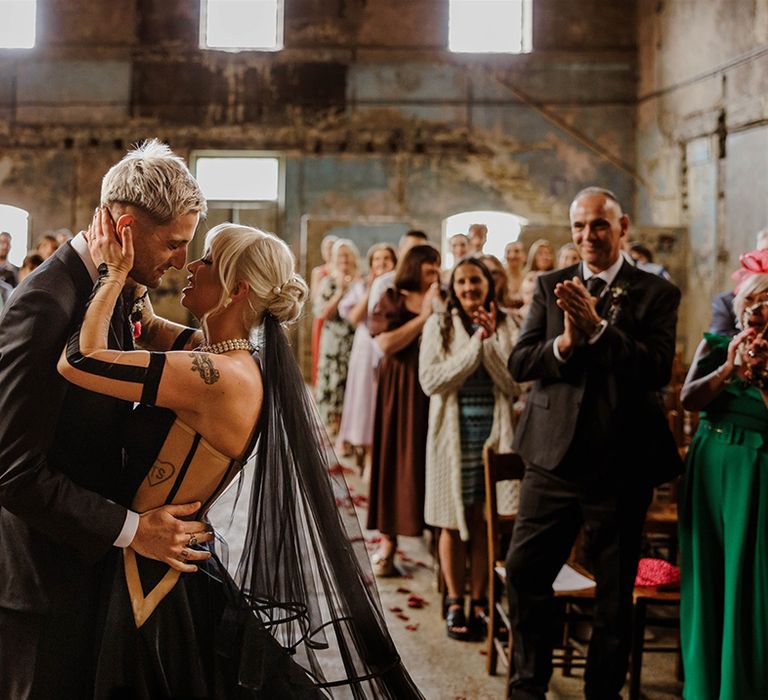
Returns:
(702, 135)
(374, 117)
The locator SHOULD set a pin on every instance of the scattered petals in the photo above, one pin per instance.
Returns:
(403, 590)
(395, 609)
(412, 628)
(400, 616)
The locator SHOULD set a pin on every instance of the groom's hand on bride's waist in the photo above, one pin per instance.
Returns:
(164, 536)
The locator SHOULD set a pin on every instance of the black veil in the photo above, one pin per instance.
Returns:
(303, 581)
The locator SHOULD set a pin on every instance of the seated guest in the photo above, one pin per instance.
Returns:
(462, 367)
(724, 510)
(396, 497)
(336, 335)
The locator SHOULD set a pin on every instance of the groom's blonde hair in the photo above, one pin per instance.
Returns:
(157, 181)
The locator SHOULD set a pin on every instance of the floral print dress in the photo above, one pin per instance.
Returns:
(335, 346)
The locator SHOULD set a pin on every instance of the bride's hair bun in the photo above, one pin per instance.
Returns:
(289, 300)
(265, 263)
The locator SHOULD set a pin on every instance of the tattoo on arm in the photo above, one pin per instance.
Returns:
(203, 365)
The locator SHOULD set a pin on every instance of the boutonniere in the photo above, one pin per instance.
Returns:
(618, 294)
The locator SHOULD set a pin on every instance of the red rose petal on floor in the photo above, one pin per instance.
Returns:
(403, 590)
(483, 652)
(395, 609)
(423, 565)
(374, 539)
(406, 574)
(400, 616)
(411, 628)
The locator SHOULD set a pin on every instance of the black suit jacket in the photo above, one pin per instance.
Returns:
(605, 396)
(60, 447)
(723, 317)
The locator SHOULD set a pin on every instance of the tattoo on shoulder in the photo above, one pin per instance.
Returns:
(203, 365)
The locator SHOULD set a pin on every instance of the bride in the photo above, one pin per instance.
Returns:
(300, 616)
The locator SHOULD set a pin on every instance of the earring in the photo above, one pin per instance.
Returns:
(227, 302)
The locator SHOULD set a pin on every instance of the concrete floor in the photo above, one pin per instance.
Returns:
(446, 669)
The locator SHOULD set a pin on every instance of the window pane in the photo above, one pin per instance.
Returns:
(242, 24)
(485, 26)
(239, 179)
(17, 24)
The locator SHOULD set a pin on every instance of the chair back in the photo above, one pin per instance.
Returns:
(499, 466)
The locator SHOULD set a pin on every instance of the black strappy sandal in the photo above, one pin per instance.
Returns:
(478, 620)
(455, 619)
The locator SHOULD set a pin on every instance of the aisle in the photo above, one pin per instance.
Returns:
(446, 669)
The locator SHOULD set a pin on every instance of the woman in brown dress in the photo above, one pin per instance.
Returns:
(400, 427)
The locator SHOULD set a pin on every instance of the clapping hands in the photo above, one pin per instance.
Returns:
(486, 320)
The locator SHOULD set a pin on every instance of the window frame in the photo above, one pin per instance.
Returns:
(526, 32)
(35, 17)
(279, 37)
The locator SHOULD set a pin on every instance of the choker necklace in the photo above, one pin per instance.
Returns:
(228, 346)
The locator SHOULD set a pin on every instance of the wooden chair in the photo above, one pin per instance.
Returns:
(646, 599)
(498, 467)
(504, 467)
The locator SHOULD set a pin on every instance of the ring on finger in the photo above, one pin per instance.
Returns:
(184, 553)
(192, 540)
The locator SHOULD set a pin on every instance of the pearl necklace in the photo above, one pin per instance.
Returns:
(228, 346)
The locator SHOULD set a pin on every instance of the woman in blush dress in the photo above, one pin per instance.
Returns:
(295, 620)
(360, 394)
(396, 499)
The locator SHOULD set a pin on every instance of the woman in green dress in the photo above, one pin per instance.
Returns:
(724, 510)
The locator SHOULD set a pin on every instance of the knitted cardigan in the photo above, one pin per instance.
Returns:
(442, 374)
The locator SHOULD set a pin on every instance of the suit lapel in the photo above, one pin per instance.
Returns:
(120, 337)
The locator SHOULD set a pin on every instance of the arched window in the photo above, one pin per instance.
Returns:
(16, 222)
(503, 228)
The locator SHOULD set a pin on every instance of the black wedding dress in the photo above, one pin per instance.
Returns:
(298, 616)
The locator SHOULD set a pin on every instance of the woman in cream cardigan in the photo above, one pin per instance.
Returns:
(463, 369)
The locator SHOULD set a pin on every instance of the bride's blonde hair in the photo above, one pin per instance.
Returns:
(265, 263)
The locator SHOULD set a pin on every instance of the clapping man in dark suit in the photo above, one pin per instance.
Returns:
(61, 446)
(598, 342)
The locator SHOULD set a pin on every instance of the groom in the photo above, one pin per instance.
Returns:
(60, 446)
(599, 342)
